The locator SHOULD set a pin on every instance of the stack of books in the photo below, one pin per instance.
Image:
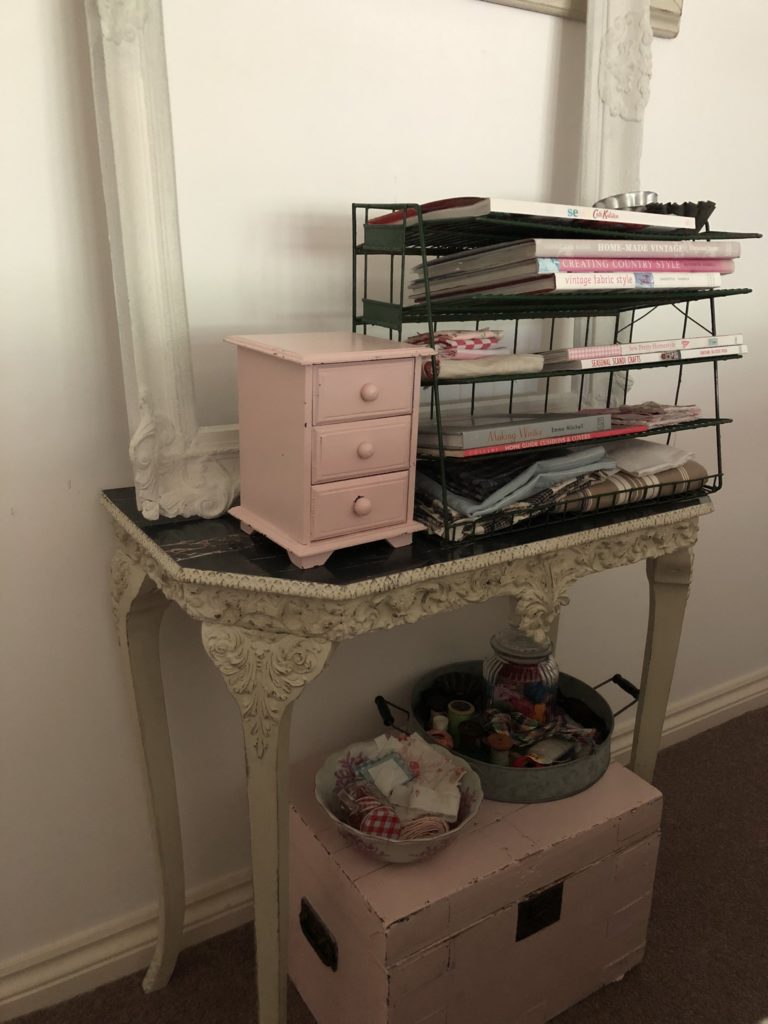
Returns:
(540, 265)
(609, 357)
(488, 433)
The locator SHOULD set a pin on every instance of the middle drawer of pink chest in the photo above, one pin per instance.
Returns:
(345, 450)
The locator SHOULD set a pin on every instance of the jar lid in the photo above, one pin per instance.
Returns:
(512, 644)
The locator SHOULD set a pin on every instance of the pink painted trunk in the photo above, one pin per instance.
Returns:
(534, 908)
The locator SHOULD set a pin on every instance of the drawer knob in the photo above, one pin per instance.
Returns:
(369, 392)
(362, 506)
(365, 450)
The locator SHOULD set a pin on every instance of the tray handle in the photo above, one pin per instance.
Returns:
(384, 708)
(628, 688)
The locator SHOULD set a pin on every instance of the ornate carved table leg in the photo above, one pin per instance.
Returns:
(538, 591)
(669, 577)
(547, 622)
(138, 608)
(265, 673)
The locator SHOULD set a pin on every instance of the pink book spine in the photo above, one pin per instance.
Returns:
(608, 264)
(546, 441)
(641, 348)
(608, 362)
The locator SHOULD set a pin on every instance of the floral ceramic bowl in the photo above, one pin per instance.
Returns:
(394, 851)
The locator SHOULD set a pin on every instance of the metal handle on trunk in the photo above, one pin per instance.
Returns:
(318, 936)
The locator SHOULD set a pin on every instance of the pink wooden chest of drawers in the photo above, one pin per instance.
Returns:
(531, 910)
(327, 440)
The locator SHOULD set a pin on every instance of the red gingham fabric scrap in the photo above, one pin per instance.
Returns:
(467, 343)
(467, 340)
(382, 822)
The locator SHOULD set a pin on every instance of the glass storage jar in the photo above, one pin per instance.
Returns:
(521, 673)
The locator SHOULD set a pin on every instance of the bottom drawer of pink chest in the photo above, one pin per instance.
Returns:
(352, 506)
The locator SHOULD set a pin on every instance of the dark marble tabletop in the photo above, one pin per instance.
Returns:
(219, 545)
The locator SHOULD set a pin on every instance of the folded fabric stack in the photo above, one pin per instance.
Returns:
(473, 354)
(488, 495)
(464, 344)
(616, 489)
(539, 475)
(653, 414)
(637, 456)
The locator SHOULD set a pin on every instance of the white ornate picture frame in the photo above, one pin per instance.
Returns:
(181, 468)
(665, 14)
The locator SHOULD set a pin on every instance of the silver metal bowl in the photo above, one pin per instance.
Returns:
(628, 200)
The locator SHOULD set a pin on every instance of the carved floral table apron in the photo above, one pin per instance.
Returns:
(270, 628)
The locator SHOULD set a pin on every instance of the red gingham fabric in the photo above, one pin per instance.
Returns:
(468, 343)
(382, 822)
(467, 340)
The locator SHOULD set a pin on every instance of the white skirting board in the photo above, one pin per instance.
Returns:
(89, 959)
(119, 947)
(692, 715)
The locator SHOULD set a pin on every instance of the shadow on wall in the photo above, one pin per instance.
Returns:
(69, 70)
(566, 103)
(310, 258)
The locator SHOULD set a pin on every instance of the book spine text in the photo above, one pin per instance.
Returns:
(540, 443)
(482, 436)
(641, 347)
(609, 264)
(609, 362)
(635, 280)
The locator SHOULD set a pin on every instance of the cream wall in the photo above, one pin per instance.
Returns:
(280, 122)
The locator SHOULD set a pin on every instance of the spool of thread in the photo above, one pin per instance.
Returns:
(428, 826)
(443, 738)
(471, 735)
(458, 711)
(500, 744)
(500, 721)
(439, 721)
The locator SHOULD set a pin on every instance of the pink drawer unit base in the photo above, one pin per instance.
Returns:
(307, 556)
(530, 911)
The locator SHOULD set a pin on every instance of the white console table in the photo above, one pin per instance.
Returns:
(270, 629)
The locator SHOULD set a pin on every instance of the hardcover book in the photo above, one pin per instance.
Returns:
(466, 453)
(458, 207)
(446, 282)
(534, 248)
(611, 362)
(580, 282)
(558, 355)
(477, 431)
(571, 264)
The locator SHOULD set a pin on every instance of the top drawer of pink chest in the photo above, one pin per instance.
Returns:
(356, 391)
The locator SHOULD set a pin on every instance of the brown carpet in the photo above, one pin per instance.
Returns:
(707, 955)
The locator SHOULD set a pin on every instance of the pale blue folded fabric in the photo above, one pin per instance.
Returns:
(535, 478)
